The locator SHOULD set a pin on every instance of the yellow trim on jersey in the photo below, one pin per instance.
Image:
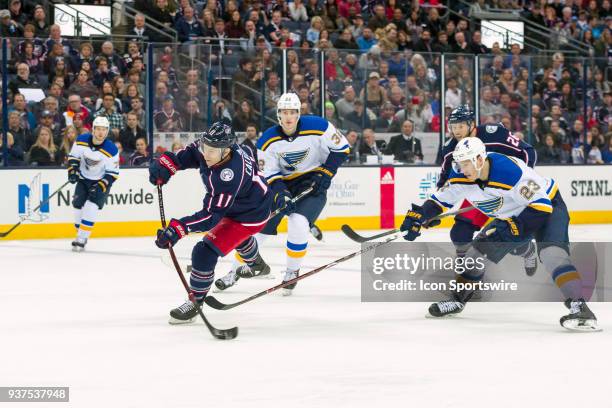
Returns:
(435, 200)
(460, 180)
(82, 144)
(311, 132)
(296, 175)
(542, 207)
(104, 152)
(324, 170)
(296, 254)
(566, 277)
(272, 179)
(500, 185)
(270, 141)
(553, 192)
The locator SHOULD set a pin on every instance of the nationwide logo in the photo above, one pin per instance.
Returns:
(30, 196)
(387, 178)
(427, 184)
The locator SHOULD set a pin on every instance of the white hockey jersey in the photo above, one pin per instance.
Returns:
(288, 157)
(95, 162)
(512, 186)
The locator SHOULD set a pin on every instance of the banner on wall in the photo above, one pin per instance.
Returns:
(95, 20)
(366, 197)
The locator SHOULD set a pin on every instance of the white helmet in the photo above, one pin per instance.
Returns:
(101, 121)
(469, 148)
(288, 100)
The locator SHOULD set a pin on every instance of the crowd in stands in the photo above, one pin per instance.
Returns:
(382, 69)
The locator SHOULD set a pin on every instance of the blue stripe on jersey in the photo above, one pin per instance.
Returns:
(273, 175)
(296, 247)
(542, 201)
(340, 148)
(447, 205)
(503, 170)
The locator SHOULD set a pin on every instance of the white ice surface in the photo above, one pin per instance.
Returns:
(97, 322)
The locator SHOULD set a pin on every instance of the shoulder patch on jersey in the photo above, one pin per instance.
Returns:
(226, 175)
(491, 128)
(505, 173)
(268, 137)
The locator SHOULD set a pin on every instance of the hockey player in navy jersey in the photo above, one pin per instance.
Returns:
(522, 204)
(496, 138)
(93, 165)
(236, 206)
(296, 154)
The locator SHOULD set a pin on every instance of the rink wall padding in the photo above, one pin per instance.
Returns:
(363, 197)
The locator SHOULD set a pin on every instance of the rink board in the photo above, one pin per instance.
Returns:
(364, 197)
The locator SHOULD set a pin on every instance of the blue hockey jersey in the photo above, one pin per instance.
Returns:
(497, 139)
(234, 188)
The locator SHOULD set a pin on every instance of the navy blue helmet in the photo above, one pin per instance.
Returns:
(462, 113)
(219, 135)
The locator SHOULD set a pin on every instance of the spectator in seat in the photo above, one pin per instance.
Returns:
(61, 69)
(17, 13)
(8, 27)
(369, 145)
(115, 61)
(405, 147)
(244, 116)
(39, 21)
(131, 132)
(15, 152)
(297, 11)
(352, 137)
(346, 104)
(454, 95)
(79, 125)
(273, 29)
(83, 86)
(141, 157)
(376, 94)
(23, 79)
(194, 121)
(69, 136)
(367, 39)
(346, 41)
(30, 36)
(47, 120)
(55, 37)
(103, 73)
(137, 105)
(109, 111)
(235, 27)
(385, 121)
(163, 12)
(28, 57)
(548, 153)
(477, 47)
(188, 27)
(168, 119)
(250, 140)
(44, 152)
(379, 19)
(27, 118)
(358, 118)
(22, 137)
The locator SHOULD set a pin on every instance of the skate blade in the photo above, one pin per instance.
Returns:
(286, 292)
(448, 316)
(176, 322)
(77, 249)
(583, 326)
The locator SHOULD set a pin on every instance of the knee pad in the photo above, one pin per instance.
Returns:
(462, 231)
(554, 257)
(298, 228)
(203, 257)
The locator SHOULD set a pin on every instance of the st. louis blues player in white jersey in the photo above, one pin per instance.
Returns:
(296, 154)
(93, 165)
(523, 204)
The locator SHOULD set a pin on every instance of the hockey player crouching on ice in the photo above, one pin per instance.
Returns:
(523, 204)
(236, 206)
(298, 153)
(496, 138)
(93, 165)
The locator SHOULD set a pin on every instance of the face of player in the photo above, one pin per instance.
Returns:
(213, 155)
(99, 134)
(472, 171)
(459, 130)
(289, 119)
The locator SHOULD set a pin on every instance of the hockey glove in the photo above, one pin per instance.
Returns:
(169, 236)
(282, 201)
(162, 169)
(411, 227)
(73, 174)
(499, 238)
(97, 192)
(322, 181)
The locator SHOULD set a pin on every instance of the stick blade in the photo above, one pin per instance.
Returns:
(225, 334)
(351, 234)
(215, 304)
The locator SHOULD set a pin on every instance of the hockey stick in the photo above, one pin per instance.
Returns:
(4, 234)
(350, 233)
(222, 334)
(216, 304)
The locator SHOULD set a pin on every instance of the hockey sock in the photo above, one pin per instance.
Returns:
(260, 238)
(297, 240)
(77, 218)
(563, 273)
(203, 260)
(89, 214)
(248, 250)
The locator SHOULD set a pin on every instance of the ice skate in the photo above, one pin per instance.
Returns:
(287, 290)
(580, 318)
(530, 259)
(260, 269)
(78, 245)
(225, 282)
(185, 313)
